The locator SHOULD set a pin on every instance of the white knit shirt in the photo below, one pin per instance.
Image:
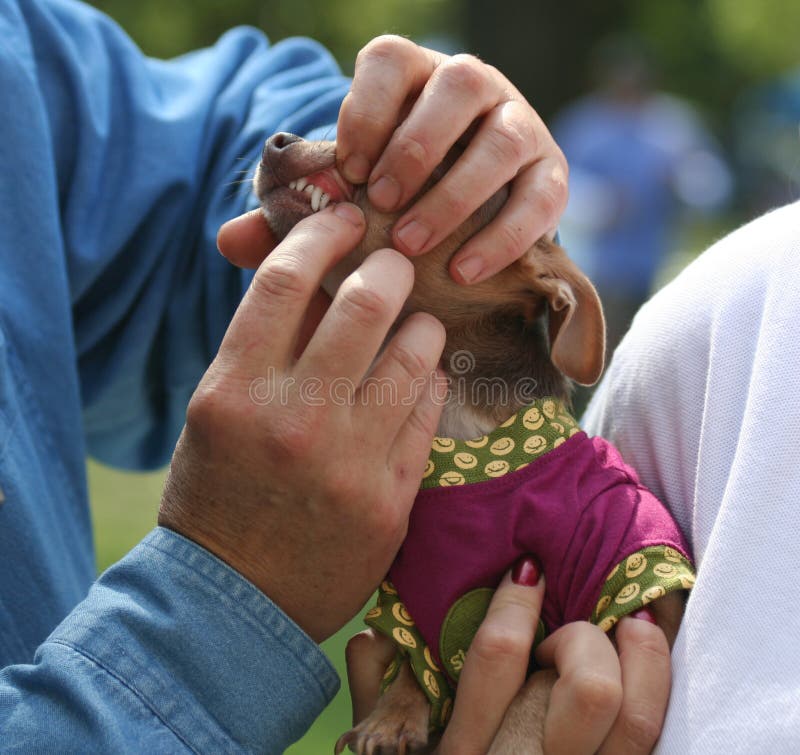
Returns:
(703, 400)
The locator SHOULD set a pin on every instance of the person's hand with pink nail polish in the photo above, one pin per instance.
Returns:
(407, 107)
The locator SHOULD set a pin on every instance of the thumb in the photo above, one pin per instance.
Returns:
(246, 240)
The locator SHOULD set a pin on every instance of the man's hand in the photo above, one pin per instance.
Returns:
(296, 472)
(408, 105)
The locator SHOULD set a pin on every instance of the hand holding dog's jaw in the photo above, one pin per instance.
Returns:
(407, 107)
(283, 488)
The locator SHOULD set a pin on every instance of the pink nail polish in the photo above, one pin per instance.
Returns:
(644, 614)
(527, 571)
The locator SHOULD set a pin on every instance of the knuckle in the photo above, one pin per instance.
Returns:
(414, 151)
(500, 645)
(281, 277)
(411, 363)
(455, 205)
(343, 486)
(595, 695)
(508, 145)
(205, 412)
(653, 650)
(291, 436)
(640, 728)
(548, 200)
(510, 243)
(359, 119)
(361, 304)
(465, 72)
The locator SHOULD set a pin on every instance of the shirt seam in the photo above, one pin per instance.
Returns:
(127, 685)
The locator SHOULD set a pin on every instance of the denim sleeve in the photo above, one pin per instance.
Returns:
(151, 157)
(171, 651)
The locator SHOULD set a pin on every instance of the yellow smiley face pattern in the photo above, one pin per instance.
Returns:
(527, 435)
(639, 579)
(391, 618)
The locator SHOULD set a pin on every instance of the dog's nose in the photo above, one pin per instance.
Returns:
(276, 143)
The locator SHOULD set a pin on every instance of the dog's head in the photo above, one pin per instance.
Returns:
(537, 323)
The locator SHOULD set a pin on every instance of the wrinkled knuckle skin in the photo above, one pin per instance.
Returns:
(548, 200)
(510, 243)
(500, 645)
(362, 306)
(466, 73)
(455, 206)
(596, 696)
(640, 730)
(291, 437)
(654, 651)
(507, 146)
(361, 121)
(415, 153)
(412, 364)
(282, 278)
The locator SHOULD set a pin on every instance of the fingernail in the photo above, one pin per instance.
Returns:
(356, 169)
(414, 236)
(644, 614)
(470, 269)
(527, 571)
(350, 213)
(384, 193)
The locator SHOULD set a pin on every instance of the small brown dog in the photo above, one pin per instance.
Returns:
(537, 322)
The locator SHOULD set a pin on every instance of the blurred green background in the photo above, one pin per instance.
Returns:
(710, 52)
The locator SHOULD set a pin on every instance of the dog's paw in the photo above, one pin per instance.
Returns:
(388, 733)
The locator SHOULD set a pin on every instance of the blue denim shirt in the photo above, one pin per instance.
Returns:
(115, 173)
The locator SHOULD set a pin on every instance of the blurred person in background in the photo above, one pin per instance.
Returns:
(636, 156)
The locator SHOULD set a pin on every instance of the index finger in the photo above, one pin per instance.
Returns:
(267, 324)
(497, 661)
(388, 71)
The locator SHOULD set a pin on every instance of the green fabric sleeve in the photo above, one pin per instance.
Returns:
(639, 579)
(390, 618)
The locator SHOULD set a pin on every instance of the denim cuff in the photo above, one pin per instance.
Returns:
(208, 653)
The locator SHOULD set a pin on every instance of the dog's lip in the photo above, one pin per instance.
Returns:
(332, 183)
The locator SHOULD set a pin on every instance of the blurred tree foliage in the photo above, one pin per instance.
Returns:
(706, 50)
(165, 28)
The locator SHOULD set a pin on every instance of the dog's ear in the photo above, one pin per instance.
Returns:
(576, 326)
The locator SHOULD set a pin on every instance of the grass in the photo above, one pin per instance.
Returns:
(124, 507)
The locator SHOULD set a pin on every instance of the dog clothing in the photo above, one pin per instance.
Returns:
(536, 484)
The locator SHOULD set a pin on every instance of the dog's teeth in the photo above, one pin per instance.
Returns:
(323, 201)
(315, 197)
(309, 188)
(301, 184)
(292, 184)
